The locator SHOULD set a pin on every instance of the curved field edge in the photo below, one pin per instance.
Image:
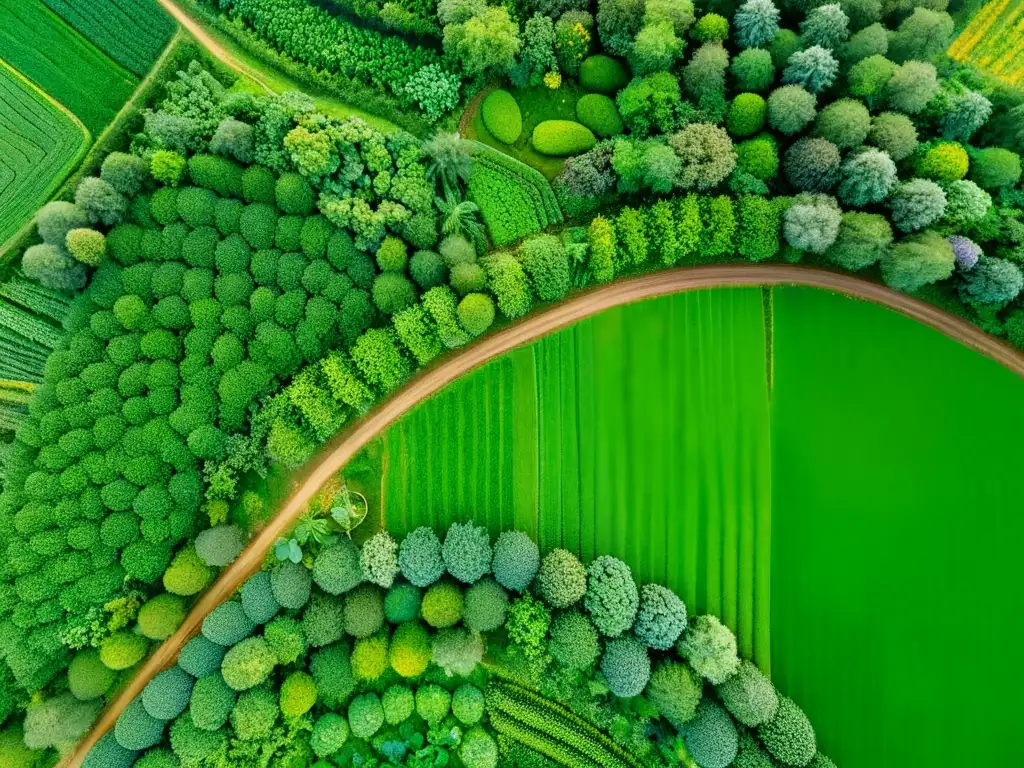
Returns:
(49, 175)
(341, 449)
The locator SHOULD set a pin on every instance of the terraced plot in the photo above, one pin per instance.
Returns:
(994, 40)
(132, 32)
(48, 52)
(39, 145)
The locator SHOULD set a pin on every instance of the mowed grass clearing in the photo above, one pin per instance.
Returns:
(641, 432)
(48, 52)
(994, 40)
(40, 144)
(131, 32)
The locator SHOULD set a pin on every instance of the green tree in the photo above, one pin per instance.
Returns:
(487, 41)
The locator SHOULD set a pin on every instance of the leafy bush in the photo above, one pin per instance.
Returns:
(467, 551)
(432, 703)
(468, 704)
(337, 568)
(227, 624)
(298, 694)
(758, 157)
(248, 663)
(916, 204)
(611, 597)
(135, 728)
(626, 667)
(815, 68)
(478, 750)
(812, 222)
(442, 605)
(419, 557)
(501, 116)
(991, 281)
(220, 545)
(711, 738)
(574, 641)
(546, 262)
(476, 312)
(598, 113)
(399, 703)
(746, 114)
(789, 736)
(409, 653)
(370, 657)
(790, 109)
(402, 603)
(457, 651)
(755, 23)
(603, 74)
(661, 618)
(944, 161)
(364, 611)
(562, 137)
(911, 87)
(812, 164)
(332, 673)
(485, 606)
(211, 703)
(201, 657)
(710, 647)
(323, 621)
(916, 261)
(675, 692)
(378, 558)
(995, 167)
(863, 239)
(330, 732)
(88, 677)
(516, 560)
(365, 715)
(161, 616)
(749, 696)
(868, 176)
(562, 579)
(167, 695)
(966, 203)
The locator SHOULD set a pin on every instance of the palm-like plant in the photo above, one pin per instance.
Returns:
(461, 217)
(449, 160)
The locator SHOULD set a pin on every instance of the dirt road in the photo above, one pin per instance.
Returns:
(344, 446)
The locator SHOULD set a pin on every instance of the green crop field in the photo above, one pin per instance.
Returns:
(131, 32)
(39, 145)
(647, 432)
(642, 432)
(42, 47)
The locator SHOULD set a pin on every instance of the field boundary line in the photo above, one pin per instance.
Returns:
(340, 449)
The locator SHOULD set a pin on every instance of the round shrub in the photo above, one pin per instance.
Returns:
(399, 704)
(291, 584)
(468, 704)
(753, 70)
(868, 176)
(332, 672)
(254, 714)
(392, 292)
(789, 736)
(227, 624)
(457, 651)
(661, 618)
(467, 553)
(86, 246)
(193, 744)
(574, 641)
(257, 598)
(298, 694)
(478, 750)
(365, 715)
(991, 281)
(501, 116)
(258, 225)
(603, 74)
(324, 620)
(562, 137)
(790, 109)
(161, 616)
(749, 696)
(945, 161)
(187, 574)
(442, 605)
(916, 204)
(201, 657)
(746, 114)
(88, 677)
(402, 603)
(516, 560)
(864, 238)
(419, 557)
(599, 113)
(710, 647)
(811, 223)
(476, 313)
(370, 657)
(294, 195)
(336, 569)
(379, 559)
(364, 611)
(812, 164)
(122, 650)
(456, 249)
(157, 758)
(675, 692)
(894, 134)
(916, 261)
(626, 667)
(611, 597)
(211, 703)
(167, 695)
(220, 545)
(432, 703)
(711, 738)
(428, 269)
(911, 87)
(758, 157)
(286, 639)
(995, 167)
(562, 579)
(410, 650)
(845, 123)
(966, 203)
(248, 663)
(485, 606)
(751, 754)
(330, 732)
(136, 729)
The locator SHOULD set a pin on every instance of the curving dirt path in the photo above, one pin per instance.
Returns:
(344, 446)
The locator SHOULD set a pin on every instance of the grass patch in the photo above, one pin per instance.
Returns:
(38, 43)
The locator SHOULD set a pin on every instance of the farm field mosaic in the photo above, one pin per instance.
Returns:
(239, 238)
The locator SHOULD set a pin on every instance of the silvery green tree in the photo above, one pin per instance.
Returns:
(814, 68)
(755, 23)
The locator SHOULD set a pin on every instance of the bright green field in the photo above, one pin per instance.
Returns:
(875, 541)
